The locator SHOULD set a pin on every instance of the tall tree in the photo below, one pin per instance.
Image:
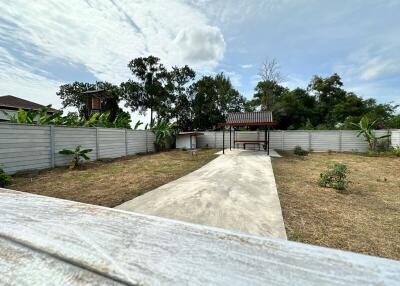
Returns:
(295, 109)
(270, 71)
(268, 90)
(329, 92)
(213, 98)
(267, 93)
(180, 79)
(151, 90)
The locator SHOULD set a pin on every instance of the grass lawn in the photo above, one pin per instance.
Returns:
(112, 183)
(365, 218)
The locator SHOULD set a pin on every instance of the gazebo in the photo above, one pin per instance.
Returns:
(262, 118)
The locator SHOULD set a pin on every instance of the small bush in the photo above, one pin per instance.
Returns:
(5, 179)
(396, 151)
(184, 149)
(300, 151)
(335, 177)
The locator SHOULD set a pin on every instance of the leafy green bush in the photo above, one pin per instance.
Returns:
(5, 179)
(76, 155)
(184, 149)
(396, 151)
(335, 177)
(165, 132)
(300, 151)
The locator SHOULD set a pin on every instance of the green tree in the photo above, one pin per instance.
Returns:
(212, 99)
(151, 90)
(294, 109)
(329, 92)
(179, 80)
(72, 95)
(267, 94)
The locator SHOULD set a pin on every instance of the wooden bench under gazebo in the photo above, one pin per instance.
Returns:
(238, 119)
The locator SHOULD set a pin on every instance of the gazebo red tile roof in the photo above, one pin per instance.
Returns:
(262, 118)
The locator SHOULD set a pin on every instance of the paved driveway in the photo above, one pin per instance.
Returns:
(235, 191)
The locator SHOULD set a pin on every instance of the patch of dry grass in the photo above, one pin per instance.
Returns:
(112, 183)
(365, 218)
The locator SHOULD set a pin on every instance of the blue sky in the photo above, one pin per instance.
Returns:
(47, 43)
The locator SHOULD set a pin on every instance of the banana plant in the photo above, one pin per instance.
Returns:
(137, 125)
(77, 154)
(365, 128)
(92, 121)
(164, 132)
(22, 116)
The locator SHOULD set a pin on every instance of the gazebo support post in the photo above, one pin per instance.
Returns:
(223, 140)
(230, 137)
(265, 138)
(234, 139)
(268, 140)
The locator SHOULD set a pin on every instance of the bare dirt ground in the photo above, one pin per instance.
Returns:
(112, 183)
(365, 218)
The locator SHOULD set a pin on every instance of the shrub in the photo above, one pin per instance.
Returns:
(184, 149)
(396, 151)
(335, 177)
(300, 151)
(165, 132)
(5, 179)
(76, 155)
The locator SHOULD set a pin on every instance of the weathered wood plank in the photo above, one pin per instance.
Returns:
(140, 249)
(21, 265)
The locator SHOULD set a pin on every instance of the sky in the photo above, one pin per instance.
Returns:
(46, 43)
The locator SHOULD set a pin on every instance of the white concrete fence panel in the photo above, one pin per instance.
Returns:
(29, 147)
(395, 138)
(316, 140)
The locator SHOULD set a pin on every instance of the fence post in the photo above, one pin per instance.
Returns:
(97, 144)
(147, 147)
(215, 139)
(309, 140)
(283, 139)
(52, 146)
(126, 142)
(340, 140)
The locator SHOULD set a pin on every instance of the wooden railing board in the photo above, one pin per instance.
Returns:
(145, 250)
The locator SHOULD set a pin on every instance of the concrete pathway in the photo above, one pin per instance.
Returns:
(235, 191)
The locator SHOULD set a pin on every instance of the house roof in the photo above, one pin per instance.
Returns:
(13, 102)
(94, 92)
(249, 118)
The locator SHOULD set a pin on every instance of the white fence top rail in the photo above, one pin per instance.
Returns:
(48, 241)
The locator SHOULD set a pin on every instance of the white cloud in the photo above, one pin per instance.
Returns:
(200, 45)
(99, 36)
(17, 80)
(370, 64)
(377, 67)
(247, 66)
(103, 36)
